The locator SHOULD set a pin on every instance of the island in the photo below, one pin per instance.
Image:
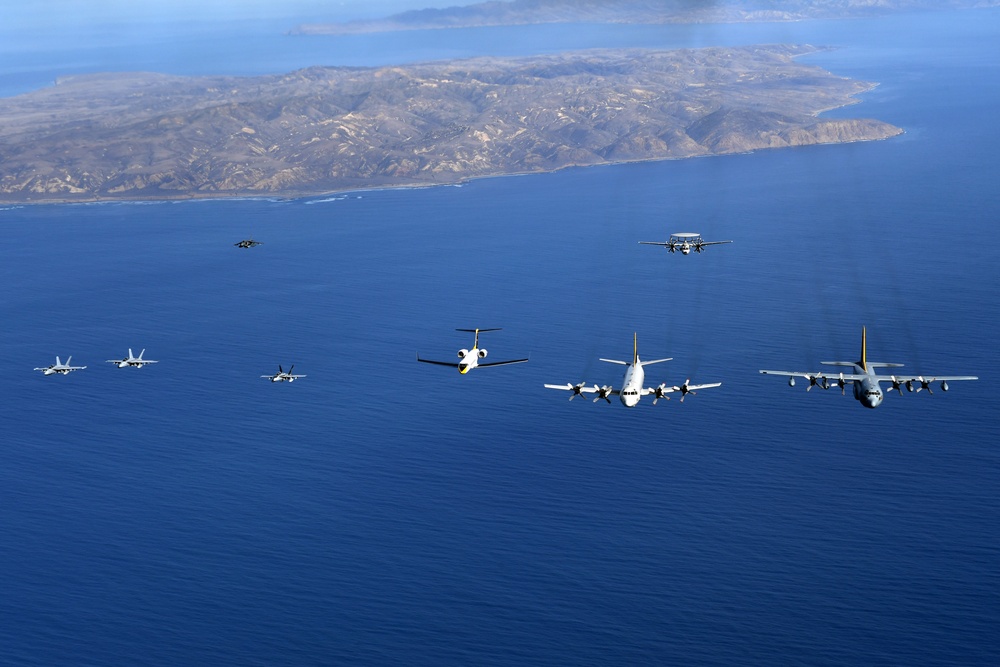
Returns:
(529, 12)
(131, 136)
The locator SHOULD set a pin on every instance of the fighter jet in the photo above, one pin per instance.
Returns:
(132, 360)
(60, 368)
(283, 376)
(247, 243)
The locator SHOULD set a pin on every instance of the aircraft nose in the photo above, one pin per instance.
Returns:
(463, 368)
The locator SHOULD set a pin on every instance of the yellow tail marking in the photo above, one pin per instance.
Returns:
(864, 349)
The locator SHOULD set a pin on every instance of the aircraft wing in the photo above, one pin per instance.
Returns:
(439, 363)
(694, 387)
(847, 377)
(924, 378)
(500, 363)
(652, 243)
(704, 243)
(581, 388)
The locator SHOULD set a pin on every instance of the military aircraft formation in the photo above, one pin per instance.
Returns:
(862, 376)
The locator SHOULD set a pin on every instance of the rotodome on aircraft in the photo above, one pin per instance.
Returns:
(283, 376)
(685, 242)
(60, 368)
(865, 379)
(247, 243)
(469, 359)
(132, 360)
(632, 384)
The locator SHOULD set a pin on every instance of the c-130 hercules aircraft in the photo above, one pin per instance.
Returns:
(865, 379)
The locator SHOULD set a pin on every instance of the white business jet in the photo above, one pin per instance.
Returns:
(469, 359)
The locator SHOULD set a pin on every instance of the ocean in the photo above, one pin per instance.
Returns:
(382, 511)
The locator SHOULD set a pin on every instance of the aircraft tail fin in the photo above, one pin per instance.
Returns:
(864, 349)
(59, 363)
(635, 349)
(142, 353)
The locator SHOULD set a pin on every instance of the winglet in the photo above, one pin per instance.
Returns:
(864, 350)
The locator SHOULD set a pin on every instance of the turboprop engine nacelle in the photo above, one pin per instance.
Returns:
(482, 354)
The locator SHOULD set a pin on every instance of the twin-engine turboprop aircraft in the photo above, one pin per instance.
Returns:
(632, 384)
(470, 358)
(60, 368)
(865, 380)
(685, 242)
(132, 360)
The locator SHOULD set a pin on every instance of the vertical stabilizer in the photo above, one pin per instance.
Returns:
(864, 350)
(635, 349)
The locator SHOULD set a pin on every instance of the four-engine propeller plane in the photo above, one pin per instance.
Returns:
(470, 359)
(632, 383)
(132, 360)
(865, 379)
(685, 242)
(283, 376)
(60, 368)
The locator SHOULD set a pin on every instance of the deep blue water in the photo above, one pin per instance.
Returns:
(382, 511)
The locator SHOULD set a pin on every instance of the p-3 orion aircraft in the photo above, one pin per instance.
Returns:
(865, 379)
(632, 384)
(469, 359)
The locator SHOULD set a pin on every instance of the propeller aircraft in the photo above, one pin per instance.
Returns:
(283, 376)
(685, 242)
(632, 383)
(864, 378)
(132, 360)
(470, 359)
(60, 368)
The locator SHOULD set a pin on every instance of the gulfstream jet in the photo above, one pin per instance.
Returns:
(60, 368)
(864, 378)
(632, 384)
(469, 359)
(132, 360)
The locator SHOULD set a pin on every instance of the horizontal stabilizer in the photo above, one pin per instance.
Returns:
(655, 361)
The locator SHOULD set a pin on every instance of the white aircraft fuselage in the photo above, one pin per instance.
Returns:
(632, 384)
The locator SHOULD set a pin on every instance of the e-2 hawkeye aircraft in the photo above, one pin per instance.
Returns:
(865, 379)
(469, 359)
(60, 368)
(132, 360)
(632, 384)
(685, 242)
